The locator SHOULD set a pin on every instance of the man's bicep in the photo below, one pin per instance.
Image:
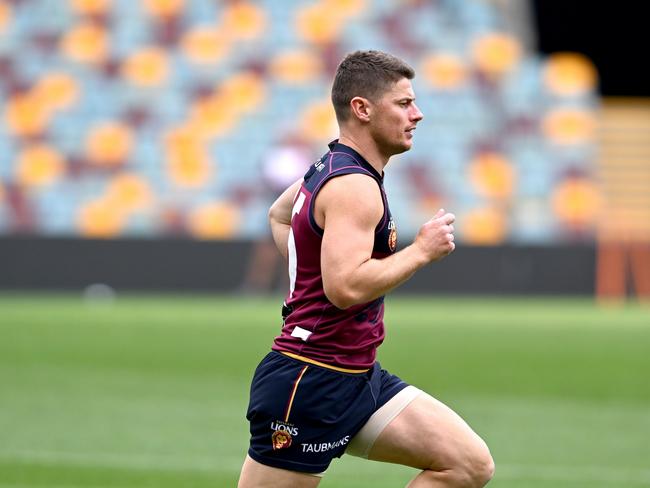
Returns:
(352, 208)
(347, 243)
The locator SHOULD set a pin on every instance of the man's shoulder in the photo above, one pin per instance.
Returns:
(331, 165)
(353, 193)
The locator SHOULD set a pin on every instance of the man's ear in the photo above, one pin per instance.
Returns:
(361, 108)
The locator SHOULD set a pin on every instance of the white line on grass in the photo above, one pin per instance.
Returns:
(584, 473)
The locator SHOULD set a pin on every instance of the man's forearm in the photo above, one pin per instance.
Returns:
(280, 232)
(376, 277)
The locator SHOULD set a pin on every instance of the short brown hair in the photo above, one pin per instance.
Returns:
(366, 74)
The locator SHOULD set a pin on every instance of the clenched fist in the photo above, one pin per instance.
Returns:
(435, 239)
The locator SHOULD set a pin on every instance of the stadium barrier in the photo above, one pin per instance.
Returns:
(191, 265)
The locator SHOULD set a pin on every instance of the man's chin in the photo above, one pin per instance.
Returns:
(403, 147)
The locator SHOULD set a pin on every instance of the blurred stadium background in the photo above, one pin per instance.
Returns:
(141, 143)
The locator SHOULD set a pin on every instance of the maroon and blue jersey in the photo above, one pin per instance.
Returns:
(313, 327)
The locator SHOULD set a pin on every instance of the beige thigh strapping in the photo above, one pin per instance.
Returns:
(361, 443)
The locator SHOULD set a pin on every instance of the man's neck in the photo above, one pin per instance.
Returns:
(367, 149)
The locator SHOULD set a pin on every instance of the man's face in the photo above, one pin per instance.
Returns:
(394, 118)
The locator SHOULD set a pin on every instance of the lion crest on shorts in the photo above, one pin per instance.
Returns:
(280, 439)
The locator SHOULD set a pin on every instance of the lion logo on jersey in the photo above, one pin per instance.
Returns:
(392, 236)
(280, 439)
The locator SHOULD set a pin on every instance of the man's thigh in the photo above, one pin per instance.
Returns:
(256, 475)
(427, 435)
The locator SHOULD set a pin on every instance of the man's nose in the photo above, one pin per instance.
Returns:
(417, 115)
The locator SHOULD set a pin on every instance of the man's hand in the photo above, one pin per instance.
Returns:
(435, 239)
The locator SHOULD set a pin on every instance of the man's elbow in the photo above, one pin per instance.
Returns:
(272, 213)
(342, 297)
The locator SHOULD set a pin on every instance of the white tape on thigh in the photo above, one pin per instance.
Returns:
(361, 443)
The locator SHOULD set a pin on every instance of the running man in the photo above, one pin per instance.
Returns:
(320, 392)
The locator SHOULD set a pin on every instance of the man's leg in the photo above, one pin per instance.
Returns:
(257, 475)
(430, 436)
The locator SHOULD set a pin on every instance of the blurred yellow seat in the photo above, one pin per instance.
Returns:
(187, 160)
(163, 8)
(26, 115)
(91, 7)
(569, 125)
(39, 165)
(444, 71)
(496, 53)
(492, 175)
(245, 91)
(212, 116)
(204, 44)
(100, 218)
(318, 23)
(576, 202)
(86, 43)
(109, 144)
(346, 8)
(147, 67)
(57, 91)
(318, 122)
(244, 20)
(485, 226)
(5, 16)
(129, 191)
(568, 74)
(296, 66)
(215, 220)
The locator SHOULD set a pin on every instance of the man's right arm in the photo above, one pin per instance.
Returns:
(280, 217)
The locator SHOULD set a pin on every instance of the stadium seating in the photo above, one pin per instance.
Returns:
(152, 118)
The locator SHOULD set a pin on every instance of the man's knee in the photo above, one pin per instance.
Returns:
(482, 468)
(476, 468)
(471, 469)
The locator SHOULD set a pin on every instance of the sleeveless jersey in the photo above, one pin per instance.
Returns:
(313, 327)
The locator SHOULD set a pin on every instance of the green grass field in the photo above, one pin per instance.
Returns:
(151, 391)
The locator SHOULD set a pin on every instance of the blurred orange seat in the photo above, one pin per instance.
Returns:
(131, 192)
(204, 44)
(86, 43)
(187, 160)
(39, 165)
(485, 226)
(492, 175)
(568, 74)
(163, 8)
(318, 23)
(109, 144)
(90, 7)
(100, 218)
(444, 71)
(147, 67)
(244, 20)
(496, 53)
(57, 91)
(212, 116)
(25, 115)
(215, 220)
(245, 91)
(569, 125)
(318, 122)
(5, 16)
(576, 202)
(346, 8)
(298, 66)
